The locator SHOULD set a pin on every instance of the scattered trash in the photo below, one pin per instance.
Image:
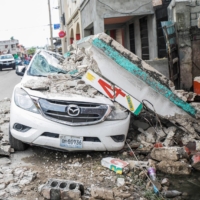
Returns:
(114, 164)
(152, 173)
(171, 193)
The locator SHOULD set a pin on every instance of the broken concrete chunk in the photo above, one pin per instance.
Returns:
(141, 137)
(174, 167)
(165, 181)
(169, 139)
(39, 84)
(137, 164)
(83, 87)
(168, 153)
(120, 182)
(150, 135)
(5, 150)
(4, 161)
(71, 83)
(101, 193)
(13, 189)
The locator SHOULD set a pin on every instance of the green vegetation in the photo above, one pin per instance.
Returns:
(31, 51)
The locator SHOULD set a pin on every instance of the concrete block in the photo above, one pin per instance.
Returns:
(58, 189)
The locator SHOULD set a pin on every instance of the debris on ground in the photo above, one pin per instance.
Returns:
(165, 138)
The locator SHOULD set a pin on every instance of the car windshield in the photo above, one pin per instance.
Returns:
(45, 63)
(6, 57)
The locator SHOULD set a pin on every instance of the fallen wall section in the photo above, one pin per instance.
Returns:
(136, 77)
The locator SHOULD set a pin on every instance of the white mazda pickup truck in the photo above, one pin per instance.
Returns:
(63, 121)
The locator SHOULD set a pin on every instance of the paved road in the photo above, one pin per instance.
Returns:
(8, 79)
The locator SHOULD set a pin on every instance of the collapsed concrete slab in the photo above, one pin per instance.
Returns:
(133, 75)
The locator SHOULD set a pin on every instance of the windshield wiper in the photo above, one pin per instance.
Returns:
(37, 75)
(61, 72)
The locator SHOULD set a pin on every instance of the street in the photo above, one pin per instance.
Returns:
(8, 79)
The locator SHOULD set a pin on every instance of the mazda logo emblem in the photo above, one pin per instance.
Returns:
(73, 110)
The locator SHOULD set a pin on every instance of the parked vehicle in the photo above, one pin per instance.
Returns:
(62, 121)
(7, 61)
(18, 61)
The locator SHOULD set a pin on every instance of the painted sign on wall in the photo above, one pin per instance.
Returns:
(113, 92)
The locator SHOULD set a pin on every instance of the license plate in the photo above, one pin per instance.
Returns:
(71, 142)
(7, 63)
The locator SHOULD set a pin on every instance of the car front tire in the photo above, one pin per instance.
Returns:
(17, 144)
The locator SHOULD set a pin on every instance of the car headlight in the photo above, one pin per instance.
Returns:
(23, 100)
(117, 115)
(1, 62)
(13, 61)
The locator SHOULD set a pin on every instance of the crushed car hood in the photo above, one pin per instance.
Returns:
(60, 96)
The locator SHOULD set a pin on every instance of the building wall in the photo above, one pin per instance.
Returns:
(72, 26)
(9, 45)
(94, 13)
(184, 14)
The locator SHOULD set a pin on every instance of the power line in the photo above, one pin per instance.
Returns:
(24, 27)
(123, 12)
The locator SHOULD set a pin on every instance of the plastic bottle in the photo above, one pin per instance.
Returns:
(152, 173)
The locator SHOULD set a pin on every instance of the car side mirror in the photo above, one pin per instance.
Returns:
(20, 70)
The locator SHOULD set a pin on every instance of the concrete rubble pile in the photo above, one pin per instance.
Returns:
(166, 133)
(13, 180)
(76, 65)
(5, 148)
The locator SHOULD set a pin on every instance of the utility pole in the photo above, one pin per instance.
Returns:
(51, 35)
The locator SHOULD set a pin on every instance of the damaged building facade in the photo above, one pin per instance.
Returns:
(70, 19)
(134, 24)
(185, 15)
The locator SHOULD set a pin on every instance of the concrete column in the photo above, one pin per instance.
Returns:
(138, 49)
(98, 19)
(152, 35)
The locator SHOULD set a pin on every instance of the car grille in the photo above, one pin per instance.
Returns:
(73, 113)
(8, 62)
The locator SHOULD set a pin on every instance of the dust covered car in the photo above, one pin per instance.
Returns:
(54, 108)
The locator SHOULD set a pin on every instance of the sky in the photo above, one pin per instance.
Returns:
(28, 21)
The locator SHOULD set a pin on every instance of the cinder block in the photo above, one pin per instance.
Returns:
(195, 9)
(58, 189)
